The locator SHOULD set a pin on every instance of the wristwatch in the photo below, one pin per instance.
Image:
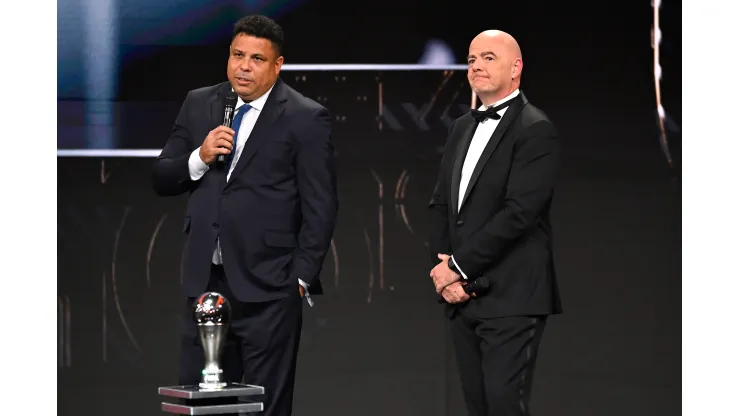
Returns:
(452, 266)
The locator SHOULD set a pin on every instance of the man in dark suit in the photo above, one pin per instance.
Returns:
(260, 223)
(490, 211)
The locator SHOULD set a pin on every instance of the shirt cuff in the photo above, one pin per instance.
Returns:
(196, 166)
(462, 273)
(305, 293)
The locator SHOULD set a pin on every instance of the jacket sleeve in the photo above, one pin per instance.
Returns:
(170, 171)
(317, 187)
(439, 210)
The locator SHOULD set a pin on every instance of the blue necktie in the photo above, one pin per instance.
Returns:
(235, 126)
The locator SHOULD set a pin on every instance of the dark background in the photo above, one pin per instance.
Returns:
(377, 341)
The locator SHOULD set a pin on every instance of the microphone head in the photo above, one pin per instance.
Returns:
(230, 100)
(478, 286)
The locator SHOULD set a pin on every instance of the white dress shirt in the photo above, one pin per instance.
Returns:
(482, 135)
(198, 168)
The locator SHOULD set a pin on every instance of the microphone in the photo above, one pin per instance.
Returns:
(478, 287)
(229, 105)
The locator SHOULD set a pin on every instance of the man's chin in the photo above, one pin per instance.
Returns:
(482, 90)
(241, 90)
(485, 93)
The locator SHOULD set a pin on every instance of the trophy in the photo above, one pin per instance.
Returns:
(212, 315)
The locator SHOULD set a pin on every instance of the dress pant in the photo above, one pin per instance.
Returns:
(496, 360)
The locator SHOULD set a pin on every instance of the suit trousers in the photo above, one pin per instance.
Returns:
(261, 347)
(496, 360)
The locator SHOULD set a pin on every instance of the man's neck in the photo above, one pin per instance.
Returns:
(494, 99)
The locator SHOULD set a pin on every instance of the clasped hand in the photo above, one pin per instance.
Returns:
(447, 283)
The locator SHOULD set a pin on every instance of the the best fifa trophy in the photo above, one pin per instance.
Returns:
(212, 315)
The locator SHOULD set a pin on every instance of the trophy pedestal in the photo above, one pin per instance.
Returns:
(197, 401)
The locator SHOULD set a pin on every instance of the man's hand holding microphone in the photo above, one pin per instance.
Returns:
(220, 141)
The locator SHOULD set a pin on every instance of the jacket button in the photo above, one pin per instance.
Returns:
(459, 222)
(215, 226)
(226, 194)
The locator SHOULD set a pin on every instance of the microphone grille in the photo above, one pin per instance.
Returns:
(230, 100)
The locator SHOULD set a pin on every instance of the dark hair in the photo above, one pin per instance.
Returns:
(261, 27)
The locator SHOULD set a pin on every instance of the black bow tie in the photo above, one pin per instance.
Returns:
(490, 112)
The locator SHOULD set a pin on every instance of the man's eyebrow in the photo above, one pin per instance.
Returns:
(484, 53)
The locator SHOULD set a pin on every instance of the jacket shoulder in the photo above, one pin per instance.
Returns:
(532, 114)
(203, 93)
(301, 104)
(464, 118)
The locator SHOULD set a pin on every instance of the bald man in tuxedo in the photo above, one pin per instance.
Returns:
(491, 220)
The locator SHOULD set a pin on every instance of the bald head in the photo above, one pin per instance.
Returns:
(494, 65)
(498, 37)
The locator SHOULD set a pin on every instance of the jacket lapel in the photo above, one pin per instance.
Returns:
(509, 116)
(460, 152)
(271, 112)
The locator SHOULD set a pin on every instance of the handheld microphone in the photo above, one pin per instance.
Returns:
(478, 286)
(229, 105)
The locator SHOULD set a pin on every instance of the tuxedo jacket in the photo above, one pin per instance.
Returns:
(275, 216)
(502, 230)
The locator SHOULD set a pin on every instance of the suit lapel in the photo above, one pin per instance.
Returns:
(460, 152)
(271, 112)
(509, 116)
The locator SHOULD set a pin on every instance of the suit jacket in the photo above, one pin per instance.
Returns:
(502, 230)
(275, 216)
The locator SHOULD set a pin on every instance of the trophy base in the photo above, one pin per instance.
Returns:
(199, 401)
(239, 408)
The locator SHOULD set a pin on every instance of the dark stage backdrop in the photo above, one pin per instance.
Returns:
(377, 342)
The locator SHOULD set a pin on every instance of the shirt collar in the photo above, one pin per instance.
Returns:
(257, 104)
(508, 97)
